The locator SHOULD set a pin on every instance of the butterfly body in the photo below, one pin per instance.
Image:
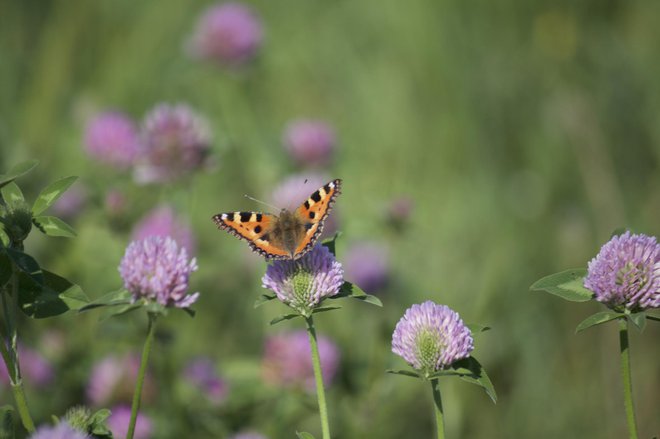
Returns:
(289, 235)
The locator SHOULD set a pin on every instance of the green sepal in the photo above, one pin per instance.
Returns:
(191, 312)
(567, 284)
(331, 243)
(7, 430)
(16, 171)
(638, 319)
(12, 195)
(618, 232)
(284, 317)
(51, 296)
(264, 298)
(477, 376)
(598, 319)
(404, 372)
(353, 291)
(304, 435)
(653, 317)
(154, 308)
(113, 298)
(51, 193)
(53, 226)
(476, 328)
(324, 309)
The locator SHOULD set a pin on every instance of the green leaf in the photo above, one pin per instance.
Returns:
(4, 238)
(5, 268)
(18, 170)
(331, 243)
(7, 422)
(351, 290)
(284, 317)
(113, 298)
(25, 263)
(652, 317)
(51, 193)
(304, 435)
(12, 195)
(475, 328)
(478, 376)
(568, 285)
(324, 309)
(408, 373)
(53, 226)
(97, 424)
(598, 319)
(638, 319)
(52, 296)
(264, 298)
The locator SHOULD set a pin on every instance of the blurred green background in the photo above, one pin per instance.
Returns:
(524, 132)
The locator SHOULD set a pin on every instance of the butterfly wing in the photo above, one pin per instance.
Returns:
(255, 228)
(313, 213)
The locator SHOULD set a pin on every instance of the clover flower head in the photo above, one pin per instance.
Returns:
(626, 272)
(112, 138)
(310, 142)
(431, 336)
(367, 265)
(163, 221)
(304, 283)
(287, 360)
(229, 34)
(59, 431)
(200, 372)
(120, 418)
(176, 141)
(158, 270)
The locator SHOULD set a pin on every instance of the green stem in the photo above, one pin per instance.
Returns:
(627, 381)
(21, 405)
(135, 408)
(439, 416)
(318, 376)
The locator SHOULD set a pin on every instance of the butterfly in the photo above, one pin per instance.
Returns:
(289, 235)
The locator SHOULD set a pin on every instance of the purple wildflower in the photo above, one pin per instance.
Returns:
(287, 360)
(200, 372)
(112, 138)
(71, 202)
(626, 272)
(431, 336)
(304, 283)
(294, 190)
(310, 142)
(121, 417)
(156, 269)
(35, 369)
(59, 431)
(163, 221)
(113, 379)
(367, 265)
(176, 141)
(228, 34)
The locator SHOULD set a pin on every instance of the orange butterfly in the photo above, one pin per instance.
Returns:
(288, 236)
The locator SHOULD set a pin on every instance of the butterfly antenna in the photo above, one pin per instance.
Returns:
(262, 202)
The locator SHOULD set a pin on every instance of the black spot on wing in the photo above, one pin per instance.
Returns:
(308, 226)
(245, 216)
(327, 188)
(316, 196)
(306, 204)
(312, 215)
(257, 229)
(259, 216)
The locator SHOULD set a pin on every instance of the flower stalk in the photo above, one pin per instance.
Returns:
(318, 377)
(627, 381)
(439, 414)
(135, 407)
